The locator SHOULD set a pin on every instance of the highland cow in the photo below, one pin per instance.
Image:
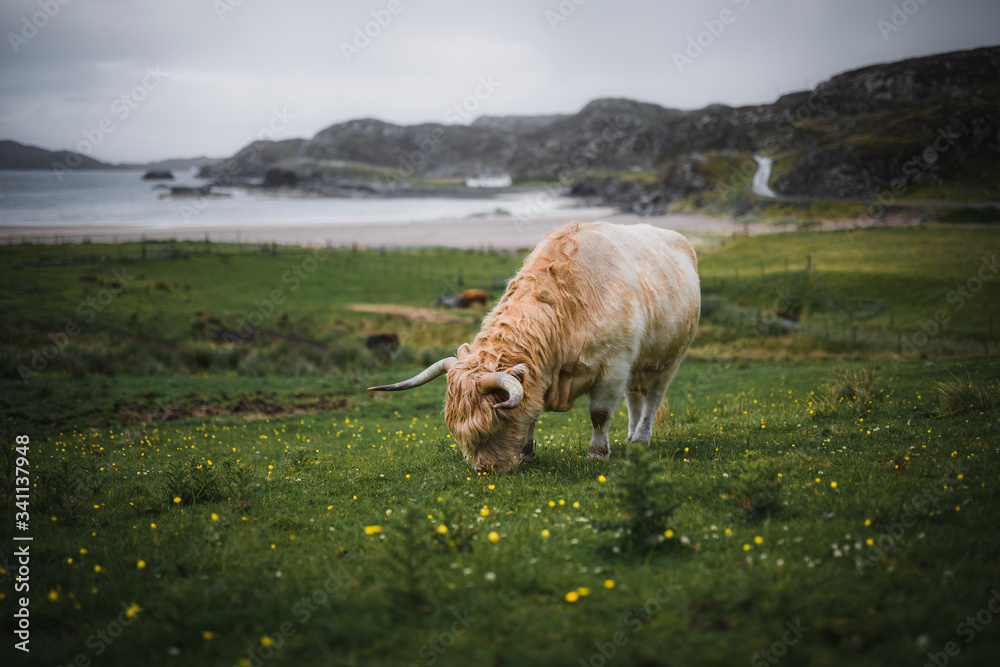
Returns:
(599, 309)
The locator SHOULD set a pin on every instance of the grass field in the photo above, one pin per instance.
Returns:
(816, 497)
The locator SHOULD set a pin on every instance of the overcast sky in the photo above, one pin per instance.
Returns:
(150, 79)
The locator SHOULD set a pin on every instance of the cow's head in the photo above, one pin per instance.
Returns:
(486, 410)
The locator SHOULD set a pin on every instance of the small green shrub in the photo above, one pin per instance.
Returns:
(646, 502)
(756, 486)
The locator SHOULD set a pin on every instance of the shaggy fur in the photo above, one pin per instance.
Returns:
(600, 309)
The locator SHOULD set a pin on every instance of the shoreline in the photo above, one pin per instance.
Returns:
(499, 232)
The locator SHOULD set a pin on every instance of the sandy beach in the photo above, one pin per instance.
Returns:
(475, 233)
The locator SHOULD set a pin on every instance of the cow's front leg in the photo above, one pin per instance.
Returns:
(600, 417)
(527, 454)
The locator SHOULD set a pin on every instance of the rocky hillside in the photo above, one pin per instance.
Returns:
(856, 134)
(918, 122)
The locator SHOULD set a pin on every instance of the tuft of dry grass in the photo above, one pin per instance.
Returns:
(962, 394)
(856, 390)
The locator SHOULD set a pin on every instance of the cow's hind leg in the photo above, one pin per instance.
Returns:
(652, 393)
(634, 399)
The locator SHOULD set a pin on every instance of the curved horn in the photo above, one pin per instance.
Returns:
(431, 372)
(505, 382)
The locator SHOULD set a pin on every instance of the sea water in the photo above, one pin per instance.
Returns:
(120, 198)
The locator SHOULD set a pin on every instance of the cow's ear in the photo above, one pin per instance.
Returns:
(521, 372)
(463, 350)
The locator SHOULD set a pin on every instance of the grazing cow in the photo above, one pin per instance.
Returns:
(599, 309)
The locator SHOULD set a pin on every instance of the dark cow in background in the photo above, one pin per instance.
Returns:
(383, 344)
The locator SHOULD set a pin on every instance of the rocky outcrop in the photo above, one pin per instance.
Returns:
(251, 162)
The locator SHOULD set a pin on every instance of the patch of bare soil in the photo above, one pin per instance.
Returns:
(408, 312)
(259, 404)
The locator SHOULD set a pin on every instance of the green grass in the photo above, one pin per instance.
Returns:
(352, 532)
(889, 279)
(279, 536)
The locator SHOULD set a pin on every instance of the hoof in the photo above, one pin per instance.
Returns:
(599, 455)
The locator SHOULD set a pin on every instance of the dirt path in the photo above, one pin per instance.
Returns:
(409, 313)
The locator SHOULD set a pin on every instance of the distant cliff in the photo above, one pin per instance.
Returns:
(14, 155)
(19, 156)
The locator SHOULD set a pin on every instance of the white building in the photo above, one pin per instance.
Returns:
(492, 181)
